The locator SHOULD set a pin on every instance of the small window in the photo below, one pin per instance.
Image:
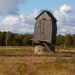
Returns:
(44, 19)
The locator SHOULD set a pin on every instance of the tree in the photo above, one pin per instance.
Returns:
(17, 40)
(26, 40)
(69, 40)
(9, 39)
(60, 40)
(2, 38)
(73, 37)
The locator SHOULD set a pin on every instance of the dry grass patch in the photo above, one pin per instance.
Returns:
(37, 65)
(58, 63)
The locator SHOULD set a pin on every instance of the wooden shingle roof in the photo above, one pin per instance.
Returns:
(49, 14)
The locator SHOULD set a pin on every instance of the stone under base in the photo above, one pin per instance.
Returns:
(41, 49)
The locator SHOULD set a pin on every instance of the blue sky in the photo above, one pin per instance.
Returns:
(18, 16)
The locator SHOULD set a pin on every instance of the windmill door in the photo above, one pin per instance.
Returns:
(42, 30)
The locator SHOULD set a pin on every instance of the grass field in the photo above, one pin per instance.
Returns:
(22, 61)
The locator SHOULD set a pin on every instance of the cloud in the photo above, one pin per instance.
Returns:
(66, 9)
(20, 24)
(30, 19)
(61, 18)
(10, 6)
(66, 23)
(67, 29)
(25, 24)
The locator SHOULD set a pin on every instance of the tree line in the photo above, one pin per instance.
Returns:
(14, 39)
(68, 40)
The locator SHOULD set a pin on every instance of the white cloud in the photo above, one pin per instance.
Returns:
(67, 29)
(10, 6)
(66, 9)
(25, 24)
(30, 19)
(21, 24)
(60, 17)
(65, 22)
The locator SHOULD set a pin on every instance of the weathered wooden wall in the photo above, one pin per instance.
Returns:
(45, 29)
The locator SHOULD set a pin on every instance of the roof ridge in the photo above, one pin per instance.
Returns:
(49, 14)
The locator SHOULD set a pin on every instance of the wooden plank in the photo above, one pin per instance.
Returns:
(39, 40)
(47, 47)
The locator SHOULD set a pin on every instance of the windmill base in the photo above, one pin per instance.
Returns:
(40, 49)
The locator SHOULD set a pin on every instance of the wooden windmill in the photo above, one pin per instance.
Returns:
(45, 29)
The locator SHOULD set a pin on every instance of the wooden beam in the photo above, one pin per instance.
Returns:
(47, 47)
(39, 40)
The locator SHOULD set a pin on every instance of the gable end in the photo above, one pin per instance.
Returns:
(49, 14)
